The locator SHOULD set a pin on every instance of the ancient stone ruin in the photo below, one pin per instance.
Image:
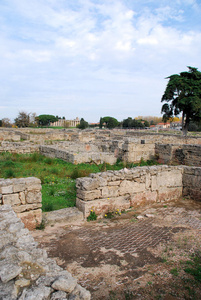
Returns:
(25, 270)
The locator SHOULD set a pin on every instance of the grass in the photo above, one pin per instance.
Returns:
(57, 176)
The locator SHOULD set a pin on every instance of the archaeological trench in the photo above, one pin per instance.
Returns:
(25, 270)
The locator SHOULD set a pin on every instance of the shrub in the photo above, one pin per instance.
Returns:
(92, 216)
(9, 173)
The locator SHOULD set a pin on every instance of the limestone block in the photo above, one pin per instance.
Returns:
(102, 206)
(31, 219)
(154, 185)
(26, 207)
(6, 189)
(33, 197)
(22, 197)
(88, 195)
(33, 187)
(64, 215)
(143, 198)
(165, 193)
(8, 271)
(148, 181)
(40, 293)
(110, 191)
(18, 185)
(171, 179)
(65, 284)
(59, 295)
(87, 183)
(130, 187)
(79, 293)
(11, 199)
(114, 183)
(101, 181)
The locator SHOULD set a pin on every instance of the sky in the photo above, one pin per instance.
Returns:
(94, 58)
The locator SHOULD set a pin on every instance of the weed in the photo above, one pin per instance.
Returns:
(52, 191)
(41, 226)
(174, 272)
(48, 207)
(92, 216)
(9, 173)
(9, 163)
(48, 160)
(109, 215)
(128, 295)
(194, 267)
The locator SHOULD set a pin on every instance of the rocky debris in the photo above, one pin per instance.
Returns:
(26, 273)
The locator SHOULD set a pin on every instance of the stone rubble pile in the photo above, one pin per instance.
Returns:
(26, 273)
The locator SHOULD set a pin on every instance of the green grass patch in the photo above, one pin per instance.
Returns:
(193, 267)
(57, 176)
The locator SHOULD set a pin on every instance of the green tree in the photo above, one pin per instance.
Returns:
(101, 123)
(127, 123)
(45, 120)
(0, 123)
(183, 95)
(83, 124)
(110, 122)
(22, 119)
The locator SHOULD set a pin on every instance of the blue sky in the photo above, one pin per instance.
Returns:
(93, 58)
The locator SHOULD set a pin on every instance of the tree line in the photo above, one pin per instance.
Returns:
(182, 96)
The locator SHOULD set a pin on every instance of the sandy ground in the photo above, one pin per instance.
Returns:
(142, 254)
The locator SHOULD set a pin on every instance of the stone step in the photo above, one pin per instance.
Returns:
(64, 215)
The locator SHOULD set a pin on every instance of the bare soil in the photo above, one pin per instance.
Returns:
(142, 254)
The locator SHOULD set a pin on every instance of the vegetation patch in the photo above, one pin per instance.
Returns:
(58, 178)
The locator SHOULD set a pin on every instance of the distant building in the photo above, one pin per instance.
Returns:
(176, 125)
(66, 123)
(163, 125)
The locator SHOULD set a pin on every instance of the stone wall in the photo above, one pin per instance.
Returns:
(24, 195)
(180, 154)
(112, 190)
(78, 156)
(164, 138)
(9, 135)
(133, 151)
(192, 183)
(18, 147)
(25, 271)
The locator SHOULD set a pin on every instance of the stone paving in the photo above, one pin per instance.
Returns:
(129, 238)
(116, 254)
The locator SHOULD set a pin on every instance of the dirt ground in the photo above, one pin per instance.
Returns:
(146, 253)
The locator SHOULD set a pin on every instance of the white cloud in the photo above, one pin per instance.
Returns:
(103, 53)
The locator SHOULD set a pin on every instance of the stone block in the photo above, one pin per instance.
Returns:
(18, 185)
(65, 215)
(143, 198)
(7, 189)
(33, 187)
(26, 207)
(171, 178)
(166, 194)
(110, 191)
(33, 197)
(22, 197)
(88, 195)
(11, 199)
(130, 187)
(102, 206)
(87, 183)
(31, 219)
